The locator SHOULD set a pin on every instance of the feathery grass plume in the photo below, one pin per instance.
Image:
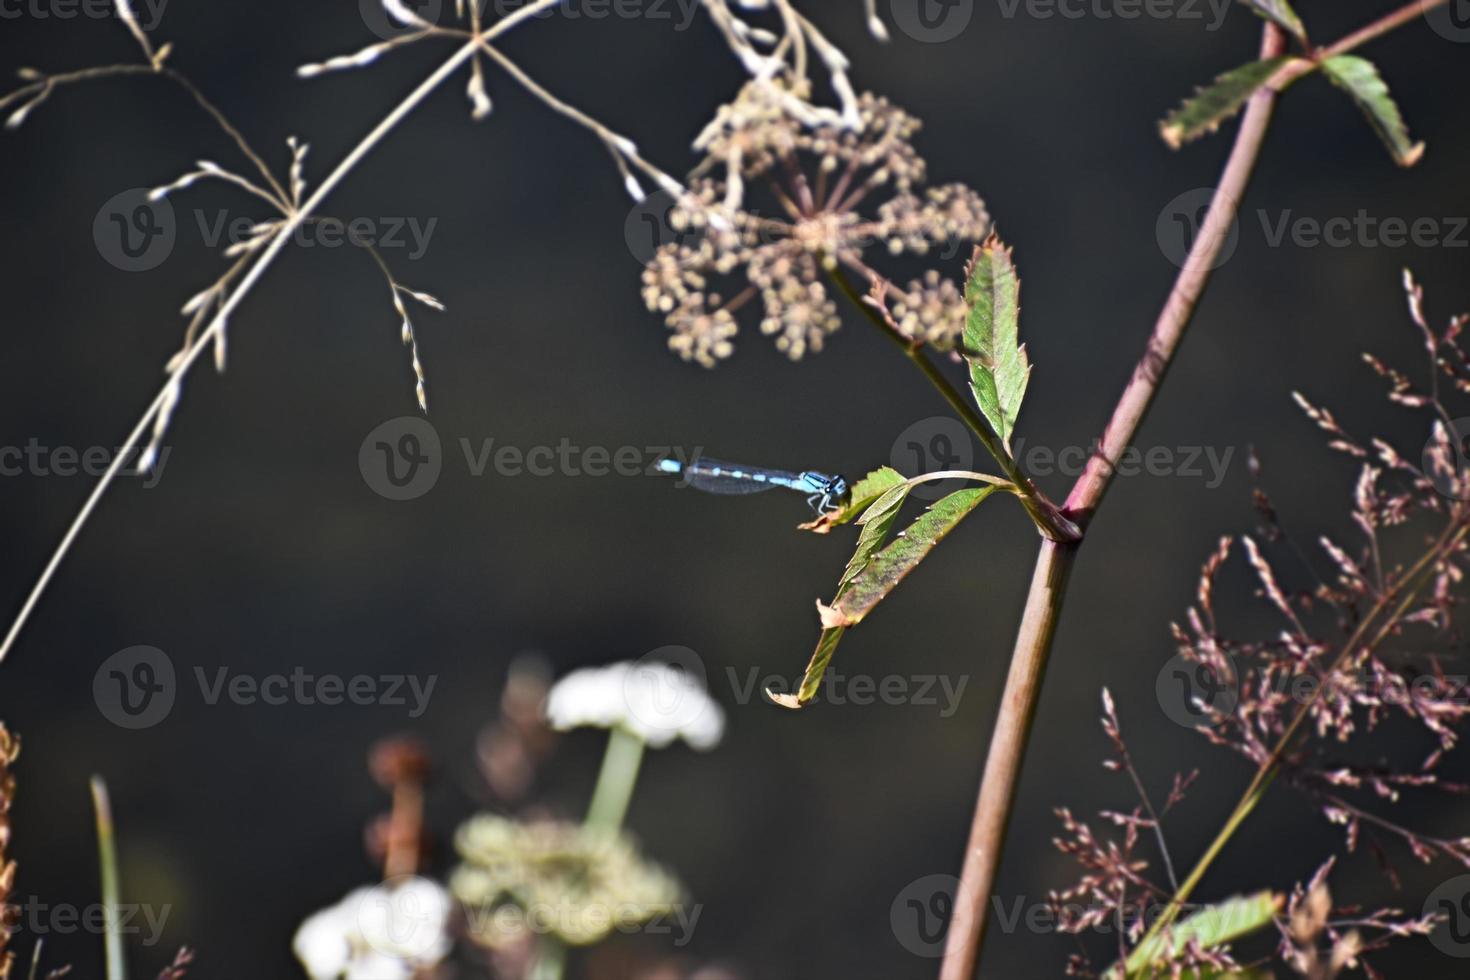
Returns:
(1321, 942)
(819, 172)
(9, 752)
(1363, 640)
(179, 967)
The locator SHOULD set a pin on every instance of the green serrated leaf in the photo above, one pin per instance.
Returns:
(815, 668)
(1210, 106)
(867, 490)
(877, 520)
(1360, 79)
(1210, 927)
(1279, 12)
(884, 570)
(999, 369)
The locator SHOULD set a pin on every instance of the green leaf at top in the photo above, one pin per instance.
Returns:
(1210, 106)
(1279, 12)
(878, 517)
(864, 492)
(880, 574)
(1210, 927)
(1360, 79)
(999, 370)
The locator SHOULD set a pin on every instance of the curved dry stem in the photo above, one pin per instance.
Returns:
(247, 282)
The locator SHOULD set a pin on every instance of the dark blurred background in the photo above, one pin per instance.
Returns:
(263, 549)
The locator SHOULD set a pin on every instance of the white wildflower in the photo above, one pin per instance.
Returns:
(656, 701)
(385, 932)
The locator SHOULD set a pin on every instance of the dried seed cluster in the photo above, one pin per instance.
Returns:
(819, 173)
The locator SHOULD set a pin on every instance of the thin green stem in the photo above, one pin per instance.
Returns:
(551, 959)
(615, 781)
(117, 967)
(1048, 517)
(610, 798)
(1409, 587)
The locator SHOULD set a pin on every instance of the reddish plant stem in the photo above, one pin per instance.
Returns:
(1048, 586)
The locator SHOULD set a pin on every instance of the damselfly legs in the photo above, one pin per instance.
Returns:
(823, 492)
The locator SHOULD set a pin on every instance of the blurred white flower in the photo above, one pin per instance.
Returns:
(385, 932)
(656, 701)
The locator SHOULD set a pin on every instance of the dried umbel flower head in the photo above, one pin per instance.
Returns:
(819, 172)
(577, 883)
